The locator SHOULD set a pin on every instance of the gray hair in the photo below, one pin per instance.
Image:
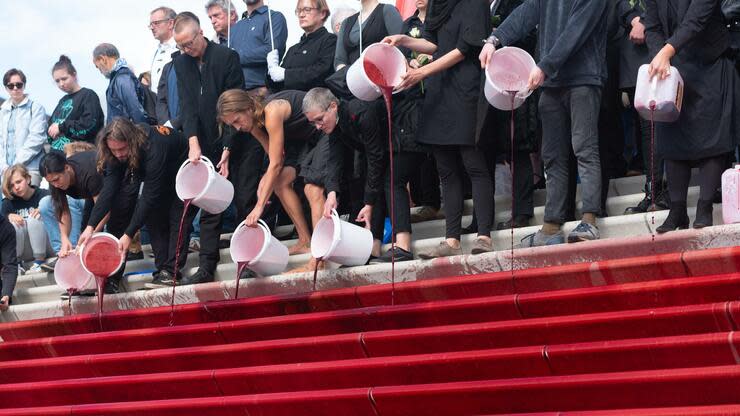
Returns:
(106, 49)
(225, 5)
(186, 20)
(168, 12)
(318, 99)
(340, 13)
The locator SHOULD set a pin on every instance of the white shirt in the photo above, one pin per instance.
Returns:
(162, 56)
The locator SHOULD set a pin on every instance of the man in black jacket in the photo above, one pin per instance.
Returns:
(204, 70)
(8, 263)
(572, 71)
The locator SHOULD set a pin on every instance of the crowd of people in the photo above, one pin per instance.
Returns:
(281, 124)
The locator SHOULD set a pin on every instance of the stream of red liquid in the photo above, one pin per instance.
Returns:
(186, 205)
(102, 259)
(513, 176)
(240, 267)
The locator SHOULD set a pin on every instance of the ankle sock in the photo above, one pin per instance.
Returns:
(589, 217)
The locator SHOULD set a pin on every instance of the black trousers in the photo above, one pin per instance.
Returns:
(405, 164)
(245, 171)
(453, 162)
(8, 258)
(424, 183)
(163, 226)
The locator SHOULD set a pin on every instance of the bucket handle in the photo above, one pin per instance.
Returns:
(337, 235)
(203, 160)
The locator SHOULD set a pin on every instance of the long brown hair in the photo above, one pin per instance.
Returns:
(237, 101)
(121, 130)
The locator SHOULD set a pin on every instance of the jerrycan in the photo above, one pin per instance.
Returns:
(662, 98)
(731, 195)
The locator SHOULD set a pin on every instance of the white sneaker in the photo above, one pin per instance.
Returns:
(36, 268)
(21, 269)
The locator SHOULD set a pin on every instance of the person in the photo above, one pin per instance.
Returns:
(293, 146)
(78, 115)
(204, 71)
(338, 16)
(377, 21)
(307, 63)
(20, 206)
(153, 155)
(78, 177)
(253, 38)
(693, 38)
(22, 127)
(124, 95)
(572, 71)
(634, 53)
(223, 17)
(453, 30)
(358, 125)
(150, 97)
(8, 263)
(161, 23)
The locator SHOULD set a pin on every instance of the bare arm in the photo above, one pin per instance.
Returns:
(419, 45)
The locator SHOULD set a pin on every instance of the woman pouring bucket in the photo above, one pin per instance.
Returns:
(131, 154)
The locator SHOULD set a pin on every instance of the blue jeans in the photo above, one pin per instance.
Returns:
(46, 207)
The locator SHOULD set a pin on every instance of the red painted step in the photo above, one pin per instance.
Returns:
(722, 410)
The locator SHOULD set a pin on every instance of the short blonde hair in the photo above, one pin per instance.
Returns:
(77, 147)
(8, 176)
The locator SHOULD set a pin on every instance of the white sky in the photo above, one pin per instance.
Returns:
(35, 32)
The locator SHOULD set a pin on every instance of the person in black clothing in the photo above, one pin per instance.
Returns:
(307, 63)
(8, 262)
(78, 116)
(692, 36)
(293, 145)
(358, 125)
(78, 177)
(153, 155)
(204, 71)
(453, 33)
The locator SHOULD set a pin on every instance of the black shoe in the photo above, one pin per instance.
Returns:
(162, 278)
(200, 276)
(86, 293)
(223, 244)
(134, 256)
(398, 255)
(112, 286)
(470, 229)
(704, 214)
(519, 222)
(677, 219)
(247, 274)
(49, 265)
(661, 202)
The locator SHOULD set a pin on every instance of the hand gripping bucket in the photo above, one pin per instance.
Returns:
(390, 64)
(256, 246)
(70, 275)
(201, 183)
(100, 256)
(508, 70)
(341, 242)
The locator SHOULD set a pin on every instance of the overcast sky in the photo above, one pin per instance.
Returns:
(35, 32)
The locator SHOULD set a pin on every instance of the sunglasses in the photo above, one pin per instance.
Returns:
(14, 86)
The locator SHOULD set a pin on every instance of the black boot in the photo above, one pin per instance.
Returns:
(677, 219)
(703, 214)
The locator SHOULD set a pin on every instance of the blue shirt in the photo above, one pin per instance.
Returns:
(250, 38)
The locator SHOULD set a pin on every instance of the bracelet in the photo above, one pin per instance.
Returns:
(493, 40)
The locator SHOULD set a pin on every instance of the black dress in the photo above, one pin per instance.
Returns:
(708, 125)
(450, 105)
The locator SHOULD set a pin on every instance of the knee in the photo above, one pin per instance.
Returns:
(45, 206)
(313, 192)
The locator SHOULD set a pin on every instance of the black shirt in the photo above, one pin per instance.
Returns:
(22, 207)
(161, 157)
(309, 62)
(79, 117)
(88, 182)
(296, 127)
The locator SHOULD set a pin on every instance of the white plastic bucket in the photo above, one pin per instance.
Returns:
(731, 196)
(263, 253)
(388, 59)
(341, 242)
(200, 182)
(70, 274)
(508, 70)
(95, 240)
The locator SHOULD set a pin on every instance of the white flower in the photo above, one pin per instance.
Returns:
(415, 32)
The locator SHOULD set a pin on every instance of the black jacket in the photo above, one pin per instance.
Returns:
(309, 62)
(358, 128)
(199, 91)
(700, 31)
(8, 258)
(79, 116)
(165, 150)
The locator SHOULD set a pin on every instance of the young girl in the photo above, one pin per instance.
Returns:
(20, 206)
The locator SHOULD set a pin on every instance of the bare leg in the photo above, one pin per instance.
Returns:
(292, 205)
(316, 200)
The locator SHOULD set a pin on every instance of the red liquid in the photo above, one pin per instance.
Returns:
(316, 272)
(102, 258)
(186, 205)
(652, 166)
(240, 267)
(511, 127)
(378, 77)
(509, 82)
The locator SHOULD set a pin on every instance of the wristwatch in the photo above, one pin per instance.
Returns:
(493, 40)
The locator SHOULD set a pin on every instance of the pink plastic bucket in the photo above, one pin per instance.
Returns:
(256, 246)
(508, 70)
(70, 274)
(201, 183)
(387, 59)
(100, 255)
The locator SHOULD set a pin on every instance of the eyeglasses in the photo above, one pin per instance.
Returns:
(14, 86)
(305, 10)
(187, 45)
(157, 23)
